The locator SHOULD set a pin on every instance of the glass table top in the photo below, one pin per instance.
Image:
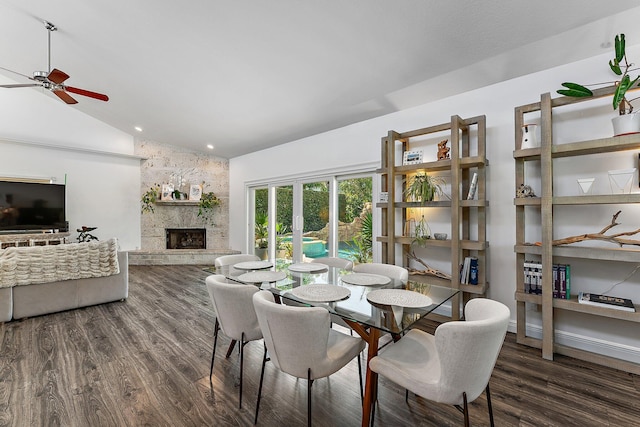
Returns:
(356, 306)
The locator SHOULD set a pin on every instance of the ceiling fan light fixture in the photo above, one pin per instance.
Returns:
(40, 76)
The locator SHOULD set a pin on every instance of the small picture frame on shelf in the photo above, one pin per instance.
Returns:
(167, 191)
(195, 192)
(411, 157)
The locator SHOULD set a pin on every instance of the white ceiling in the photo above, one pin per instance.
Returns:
(247, 75)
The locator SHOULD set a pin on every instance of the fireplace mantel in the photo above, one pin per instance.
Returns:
(177, 202)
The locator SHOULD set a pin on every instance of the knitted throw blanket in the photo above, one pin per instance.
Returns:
(44, 264)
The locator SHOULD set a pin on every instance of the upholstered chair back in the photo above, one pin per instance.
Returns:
(393, 271)
(221, 261)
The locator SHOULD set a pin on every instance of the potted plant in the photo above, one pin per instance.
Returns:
(261, 232)
(423, 188)
(625, 122)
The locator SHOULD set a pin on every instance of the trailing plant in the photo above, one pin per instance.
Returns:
(620, 67)
(205, 209)
(423, 188)
(422, 233)
(149, 198)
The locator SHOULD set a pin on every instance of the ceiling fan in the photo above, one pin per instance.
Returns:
(54, 79)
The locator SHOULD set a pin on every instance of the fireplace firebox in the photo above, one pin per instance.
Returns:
(186, 238)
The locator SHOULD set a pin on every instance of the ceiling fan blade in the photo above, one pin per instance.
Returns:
(20, 85)
(65, 96)
(56, 76)
(88, 93)
(15, 72)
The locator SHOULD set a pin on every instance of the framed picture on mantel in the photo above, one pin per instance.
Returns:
(167, 190)
(195, 192)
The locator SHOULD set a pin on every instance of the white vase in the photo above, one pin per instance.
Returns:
(626, 124)
(529, 136)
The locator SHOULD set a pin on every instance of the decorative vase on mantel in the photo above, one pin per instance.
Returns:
(626, 124)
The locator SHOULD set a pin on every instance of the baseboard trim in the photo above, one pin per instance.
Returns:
(590, 344)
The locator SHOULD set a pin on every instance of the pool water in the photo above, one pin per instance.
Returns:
(315, 248)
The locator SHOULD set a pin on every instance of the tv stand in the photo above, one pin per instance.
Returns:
(33, 239)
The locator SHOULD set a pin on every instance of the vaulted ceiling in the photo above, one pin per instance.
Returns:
(247, 75)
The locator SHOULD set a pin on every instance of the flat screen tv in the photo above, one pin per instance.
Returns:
(31, 207)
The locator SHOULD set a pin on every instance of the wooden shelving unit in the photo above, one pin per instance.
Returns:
(543, 206)
(467, 142)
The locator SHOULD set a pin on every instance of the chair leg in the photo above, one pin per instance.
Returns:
(242, 344)
(213, 354)
(360, 376)
(489, 405)
(374, 404)
(264, 362)
(230, 349)
(309, 384)
(373, 414)
(466, 409)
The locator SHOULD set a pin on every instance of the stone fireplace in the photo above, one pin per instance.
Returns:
(186, 238)
(190, 248)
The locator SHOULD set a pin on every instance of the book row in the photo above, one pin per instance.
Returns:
(561, 279)
(469, 271)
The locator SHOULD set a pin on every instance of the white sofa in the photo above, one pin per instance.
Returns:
(47, 279)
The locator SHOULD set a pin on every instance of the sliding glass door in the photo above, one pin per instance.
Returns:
(315, 219)
(355, 219)
(306, 219)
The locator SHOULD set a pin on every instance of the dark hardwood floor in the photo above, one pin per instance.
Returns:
(146, 362)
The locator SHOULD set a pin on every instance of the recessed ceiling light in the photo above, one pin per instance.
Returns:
(138, 128)
(210, 147)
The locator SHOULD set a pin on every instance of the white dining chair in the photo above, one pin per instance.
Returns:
(392, 271)
(454, 365)
(300, 342)
(344, 264)
(235, 316)
(223, 260)
(336, 262)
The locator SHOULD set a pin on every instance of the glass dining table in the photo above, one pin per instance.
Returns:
(371, 305)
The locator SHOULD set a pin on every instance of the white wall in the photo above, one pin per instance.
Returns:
(42, 137)
(360, 143)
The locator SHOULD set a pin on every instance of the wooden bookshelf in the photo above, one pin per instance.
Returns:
(545, 250)
(467, 142)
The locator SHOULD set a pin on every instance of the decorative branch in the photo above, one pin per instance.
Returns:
(429, 270)
(612, 238)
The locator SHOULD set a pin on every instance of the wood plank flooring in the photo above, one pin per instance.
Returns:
(145, 361)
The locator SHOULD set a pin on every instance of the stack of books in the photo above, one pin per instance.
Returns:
(561, 279)
(469, 271)
(616, 303)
